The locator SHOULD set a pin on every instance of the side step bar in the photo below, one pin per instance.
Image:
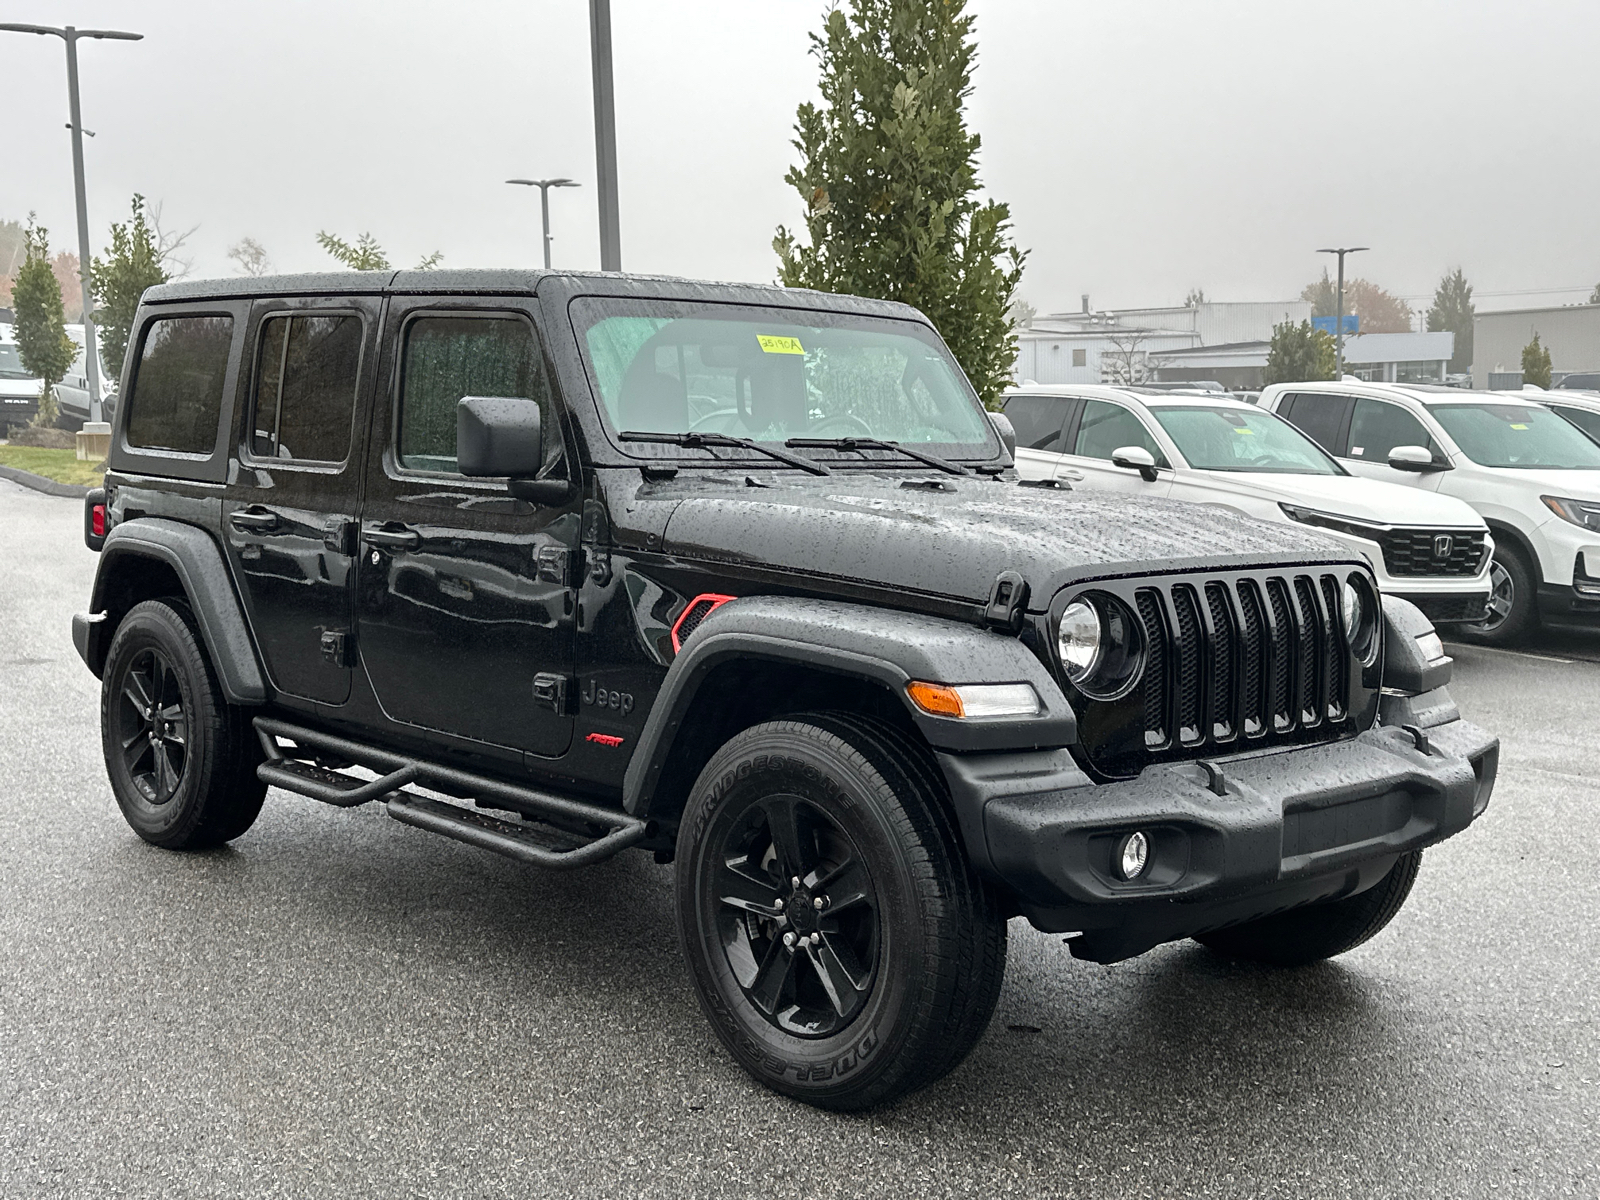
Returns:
(464, 825)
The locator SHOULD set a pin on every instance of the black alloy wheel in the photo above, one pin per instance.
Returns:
(840, 942)
(153, 727)
(797, 915)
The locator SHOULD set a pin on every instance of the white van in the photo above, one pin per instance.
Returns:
(19, 391)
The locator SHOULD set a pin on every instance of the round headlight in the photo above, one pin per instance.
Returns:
(1350, 609)
(1359, 615)
(1078, 639)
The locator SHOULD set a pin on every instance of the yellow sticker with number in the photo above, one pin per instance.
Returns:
(1519, 426)
(772, 344)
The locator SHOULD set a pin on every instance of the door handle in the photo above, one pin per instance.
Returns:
(397, 538)
(254, 520)
(1069, 475)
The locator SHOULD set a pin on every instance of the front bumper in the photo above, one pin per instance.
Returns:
(1255, 834)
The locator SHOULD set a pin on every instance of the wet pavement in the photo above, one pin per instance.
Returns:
(340, 1005)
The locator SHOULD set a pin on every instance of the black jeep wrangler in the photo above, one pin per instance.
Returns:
(559, 564)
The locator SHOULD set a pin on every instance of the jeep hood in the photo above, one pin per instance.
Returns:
(874, 530)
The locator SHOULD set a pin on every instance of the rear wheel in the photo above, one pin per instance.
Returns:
(180, 758)
(842, 947)
(1513, 600)
(1318, 931)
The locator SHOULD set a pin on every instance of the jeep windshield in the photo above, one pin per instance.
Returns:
(1517, 437)
(674, 367)
(1239, 439)
(11, 362)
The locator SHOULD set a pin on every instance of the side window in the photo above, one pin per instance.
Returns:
(1585, 420)
(1378, 427)
(176, 396)
(307, 368)
(1038, 421)
(447, 358)
(1320, 417)
(1106, 428)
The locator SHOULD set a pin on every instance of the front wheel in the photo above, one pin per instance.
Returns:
(841, 945)
(1513, 601)
(1317, 931)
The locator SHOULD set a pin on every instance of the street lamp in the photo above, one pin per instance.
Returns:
(605, 134)
(1338, 325)
(91, 356)
(544, 186)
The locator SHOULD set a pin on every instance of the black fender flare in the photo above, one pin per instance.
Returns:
(879, 645)
(196, 559)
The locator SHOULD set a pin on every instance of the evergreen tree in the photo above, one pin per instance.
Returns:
(1452, 311)
(888, 177)
(41, 333)
(120, 278)
(1536, 363)
(1298, 354)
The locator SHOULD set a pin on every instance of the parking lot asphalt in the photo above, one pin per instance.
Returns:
(338, 1005)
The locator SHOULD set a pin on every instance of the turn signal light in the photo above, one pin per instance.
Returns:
(975, 701)
(937, 699)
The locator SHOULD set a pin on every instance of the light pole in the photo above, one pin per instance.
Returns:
(544, 186)
(605, 135)
(91, 357)
(1338, 320)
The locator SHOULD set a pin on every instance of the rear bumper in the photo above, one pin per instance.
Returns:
(1288, 828)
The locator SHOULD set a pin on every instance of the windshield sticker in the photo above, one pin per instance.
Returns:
(772, 344)
(1519, 426)
(1358, 450)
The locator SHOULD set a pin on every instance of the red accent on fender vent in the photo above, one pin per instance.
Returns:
(97, 520)
(604, 739)
(701, 607)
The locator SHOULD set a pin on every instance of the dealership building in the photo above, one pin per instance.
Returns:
(1571, 332)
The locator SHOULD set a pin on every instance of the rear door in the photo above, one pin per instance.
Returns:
(1321, 416)
(1101, 428)
(1040, 423)
(289, 513)
(466, 601)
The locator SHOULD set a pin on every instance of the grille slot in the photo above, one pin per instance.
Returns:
(1253, 660)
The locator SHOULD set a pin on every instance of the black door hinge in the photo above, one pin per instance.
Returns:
(551, 691)
(339, 536)
(333, 647)
(1008, 600)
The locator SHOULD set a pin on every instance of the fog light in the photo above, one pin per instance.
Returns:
(1133, 855)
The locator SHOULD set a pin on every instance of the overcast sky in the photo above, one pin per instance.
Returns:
(1145, 146)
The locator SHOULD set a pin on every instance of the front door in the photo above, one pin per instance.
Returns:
(1376, 428)
(289, 515)
(1101, 429)
(466, 601)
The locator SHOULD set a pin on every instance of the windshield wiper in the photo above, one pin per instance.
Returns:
(700, 441)
(867, 443)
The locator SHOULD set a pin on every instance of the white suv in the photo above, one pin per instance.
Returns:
(1212, 449)
(1534, 478)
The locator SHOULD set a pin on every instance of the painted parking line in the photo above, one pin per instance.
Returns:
(1476, 649)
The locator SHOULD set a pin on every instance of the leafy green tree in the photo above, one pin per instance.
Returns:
(120, 278)
(366, 255)
(1594, 296)
(1452, 311)
(1299, 353)
(41, 320)
(888, 177)
(1380, 311)
(1536, 363)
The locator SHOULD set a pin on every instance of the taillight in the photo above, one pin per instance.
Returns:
(97, 520)
(701, 607)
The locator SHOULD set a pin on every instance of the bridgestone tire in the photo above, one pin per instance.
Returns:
(1319, 931)
(940, 939)
(1523, 619)
(208, 792)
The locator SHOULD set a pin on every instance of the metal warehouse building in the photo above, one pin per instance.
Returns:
(1570, 332)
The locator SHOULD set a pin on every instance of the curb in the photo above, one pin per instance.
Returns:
(40, 484)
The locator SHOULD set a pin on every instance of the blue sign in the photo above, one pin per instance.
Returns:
(1352, 324)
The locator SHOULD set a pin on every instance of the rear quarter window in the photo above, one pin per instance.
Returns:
(176, 396)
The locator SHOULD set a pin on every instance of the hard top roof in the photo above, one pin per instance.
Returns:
(507, 281)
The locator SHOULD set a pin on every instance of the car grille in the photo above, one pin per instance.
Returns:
(1413, 552)
(1232, 663)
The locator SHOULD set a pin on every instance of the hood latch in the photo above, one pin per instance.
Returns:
(1008, 600)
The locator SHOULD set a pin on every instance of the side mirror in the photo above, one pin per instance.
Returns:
(1007, 431)
(1135, 458)
(1416, 459)
(500, 436)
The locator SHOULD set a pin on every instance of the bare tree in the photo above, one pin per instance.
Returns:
(1127, 363)
(251, 256)
(169, 242)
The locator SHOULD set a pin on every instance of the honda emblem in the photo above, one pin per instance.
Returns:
(1443, 543)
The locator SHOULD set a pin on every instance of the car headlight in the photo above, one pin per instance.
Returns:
(1101, 646)
(1580, 512)
(1358, 614)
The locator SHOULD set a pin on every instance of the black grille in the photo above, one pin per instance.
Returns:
(1243, 661)
(1416, 552)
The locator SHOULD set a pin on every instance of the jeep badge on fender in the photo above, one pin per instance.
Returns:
(887, 698)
